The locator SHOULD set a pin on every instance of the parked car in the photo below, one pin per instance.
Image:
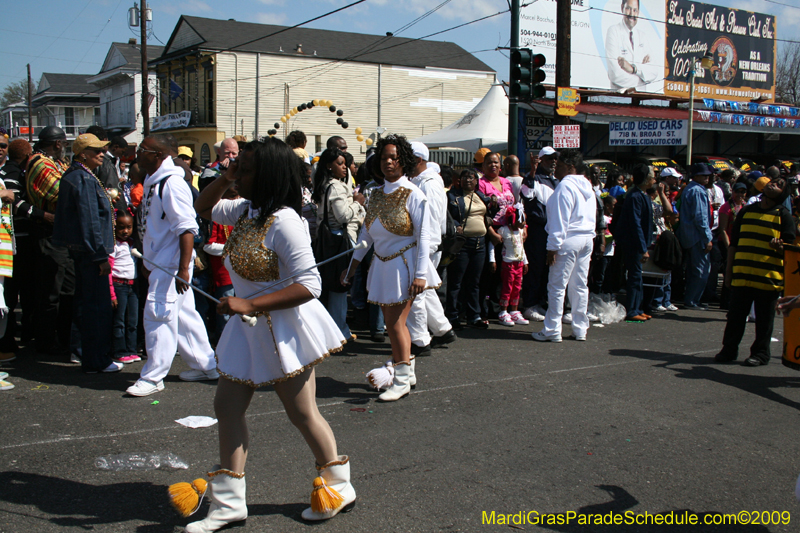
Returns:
(629, 160)
(718, 162)
(605, 166)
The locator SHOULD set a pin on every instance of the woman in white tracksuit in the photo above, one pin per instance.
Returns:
(571, 212)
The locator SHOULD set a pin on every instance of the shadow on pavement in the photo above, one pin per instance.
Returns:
(704, 367)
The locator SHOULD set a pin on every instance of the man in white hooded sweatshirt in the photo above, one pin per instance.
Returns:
(571, 212)
(170, 320)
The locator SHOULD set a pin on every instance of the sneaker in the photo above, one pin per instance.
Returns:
(505, 319)
(143, 387)
(5, 385)
(578, 337)
(7, 357)
(672, 307)
(517, 317)
(695, 307)
(567, 318)
(592, 318)
(541, 337)
(377, 337)
(199, 375)
(534, 313)
(660, 309)
(3, 375)
(127, 359)
(74, 358)
(113, 367)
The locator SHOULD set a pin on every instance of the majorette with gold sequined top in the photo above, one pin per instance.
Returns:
(287, 341)
(398, 225)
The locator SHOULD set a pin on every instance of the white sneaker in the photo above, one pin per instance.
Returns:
(143, 387)
(660, 309)
(505, 320)
(672, 307)
(517, 317)
(541, 337)
(199, 375)
(592, 318)
(567, 318)
(113, 367)
(579, 337)
(535, 313)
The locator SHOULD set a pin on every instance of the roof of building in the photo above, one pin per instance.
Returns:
(132, 52)
(210, 34)
(66, 84)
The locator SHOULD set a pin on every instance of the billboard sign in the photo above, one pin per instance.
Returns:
(566, 136)
(648, 46)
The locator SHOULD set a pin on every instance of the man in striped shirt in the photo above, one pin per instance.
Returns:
(755, 271)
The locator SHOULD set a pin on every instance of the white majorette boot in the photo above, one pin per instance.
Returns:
(333, 493)
(227, 493)
(412, 378)
(400, 385)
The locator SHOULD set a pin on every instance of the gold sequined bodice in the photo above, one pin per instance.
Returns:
(249, 257)
(391, 210)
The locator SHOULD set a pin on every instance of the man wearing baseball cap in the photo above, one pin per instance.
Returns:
(426, 310)
(534, 283)
(694, 233)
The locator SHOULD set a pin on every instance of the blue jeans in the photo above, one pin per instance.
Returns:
(698, 266)
(336, 305)
(220, 292)
(661, 296)
(126, 320)
(463, 280)
(92, 313)
(635, 292)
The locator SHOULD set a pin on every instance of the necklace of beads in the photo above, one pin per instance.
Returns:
(108, 196)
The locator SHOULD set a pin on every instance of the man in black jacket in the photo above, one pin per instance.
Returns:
(634, 234)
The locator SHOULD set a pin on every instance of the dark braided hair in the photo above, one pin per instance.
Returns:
(278, 179)
(405, 153)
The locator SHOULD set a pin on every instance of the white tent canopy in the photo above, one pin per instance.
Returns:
(486, 126)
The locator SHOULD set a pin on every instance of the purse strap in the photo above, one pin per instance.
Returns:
(325, 206)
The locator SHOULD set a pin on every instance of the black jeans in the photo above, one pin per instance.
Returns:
(126, 319)
(741, 300)
(463, 280)
(55, 274)
(534, 283)
(20, 288)
(92, 310)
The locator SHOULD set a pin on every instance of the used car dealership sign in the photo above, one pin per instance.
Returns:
(648, 133)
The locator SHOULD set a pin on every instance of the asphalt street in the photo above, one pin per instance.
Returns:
(638, 419)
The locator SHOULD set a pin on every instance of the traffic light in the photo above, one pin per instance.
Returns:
(527, 74)
(521, 73)
(537, 76)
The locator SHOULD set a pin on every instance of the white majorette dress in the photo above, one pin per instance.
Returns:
(399, 226)
(286, 342)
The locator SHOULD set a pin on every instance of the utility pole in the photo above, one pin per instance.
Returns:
(145, 71)
(30, 113)
(563, 50)
(513, 108)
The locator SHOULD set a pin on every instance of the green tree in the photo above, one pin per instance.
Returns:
(14, 93)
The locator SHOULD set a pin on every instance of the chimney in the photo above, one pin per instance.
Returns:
(299, 49)
(132, 40)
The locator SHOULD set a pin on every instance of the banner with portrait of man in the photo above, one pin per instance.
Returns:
(649, 45)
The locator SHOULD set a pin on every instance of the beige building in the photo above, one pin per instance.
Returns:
(237, 78)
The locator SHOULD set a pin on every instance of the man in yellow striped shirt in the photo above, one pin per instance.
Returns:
(755, 271)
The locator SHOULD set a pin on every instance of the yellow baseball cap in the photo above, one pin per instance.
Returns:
(480, 154)
(87, 140)
(185, 150)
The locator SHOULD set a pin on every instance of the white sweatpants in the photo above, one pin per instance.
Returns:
(427, 315)
(171, 326)
(570, 270)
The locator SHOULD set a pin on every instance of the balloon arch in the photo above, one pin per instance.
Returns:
(322, 104)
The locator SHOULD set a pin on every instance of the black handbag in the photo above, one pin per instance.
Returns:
(329, 244)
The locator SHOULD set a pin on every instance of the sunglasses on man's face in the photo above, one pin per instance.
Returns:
(3, 146)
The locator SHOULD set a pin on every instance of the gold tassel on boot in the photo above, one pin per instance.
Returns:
(187, 497)
(324, 499)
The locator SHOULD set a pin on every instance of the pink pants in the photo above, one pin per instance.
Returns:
(511, 282)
